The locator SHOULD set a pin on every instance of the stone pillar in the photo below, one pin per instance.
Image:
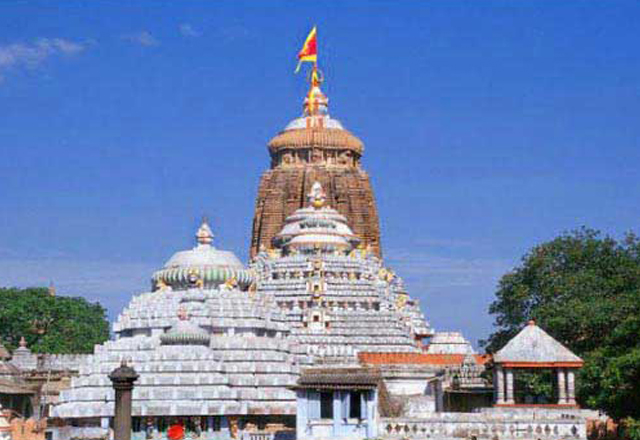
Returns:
(510, 398)
(562, 387)
(571, 387)
(499, 385)
(122, 379)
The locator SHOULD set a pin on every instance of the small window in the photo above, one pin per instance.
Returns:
(326, 405)
(355, 409)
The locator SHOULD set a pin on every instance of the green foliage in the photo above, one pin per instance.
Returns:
(631, 428)
(50, 324)
(611, 381)
(537, 384)
(584, 289)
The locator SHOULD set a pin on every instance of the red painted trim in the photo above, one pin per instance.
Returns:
(541, 364)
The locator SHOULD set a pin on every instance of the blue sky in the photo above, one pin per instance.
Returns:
(489, 127)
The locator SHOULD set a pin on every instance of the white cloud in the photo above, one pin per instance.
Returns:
(189, 31)
(143, 38)
(31, 55)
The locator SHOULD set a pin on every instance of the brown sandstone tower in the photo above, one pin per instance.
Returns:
(315, 147)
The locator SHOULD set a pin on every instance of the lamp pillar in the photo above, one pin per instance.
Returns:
(122, 379)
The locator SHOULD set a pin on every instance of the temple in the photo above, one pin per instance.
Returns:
(315, 338)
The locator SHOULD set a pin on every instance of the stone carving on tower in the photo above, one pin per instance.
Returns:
(315, 147)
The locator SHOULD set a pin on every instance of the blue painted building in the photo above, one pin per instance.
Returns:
(337, 403)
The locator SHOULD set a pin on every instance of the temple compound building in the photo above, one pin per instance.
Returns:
(314, 339)
(220, 348)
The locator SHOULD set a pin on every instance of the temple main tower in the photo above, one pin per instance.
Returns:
(315, 147)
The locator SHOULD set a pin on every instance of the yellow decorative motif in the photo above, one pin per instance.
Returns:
(161, 285)
(386, 274)
(273, 253)
(230, 284)
(401, 300)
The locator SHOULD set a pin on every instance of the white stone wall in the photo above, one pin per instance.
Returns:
(491, 423)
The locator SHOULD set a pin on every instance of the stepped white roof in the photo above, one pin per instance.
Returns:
(201, 348)
(449, 343)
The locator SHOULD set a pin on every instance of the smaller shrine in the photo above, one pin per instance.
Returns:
(534, 349)
(337, 403)
(16, 396)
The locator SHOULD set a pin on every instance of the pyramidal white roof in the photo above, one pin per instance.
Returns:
(534, 345)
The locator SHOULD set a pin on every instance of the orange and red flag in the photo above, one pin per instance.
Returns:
(309, 51)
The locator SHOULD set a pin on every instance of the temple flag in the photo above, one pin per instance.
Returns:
(309, 51)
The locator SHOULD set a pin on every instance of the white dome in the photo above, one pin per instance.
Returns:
(204, 255)
(203, 264)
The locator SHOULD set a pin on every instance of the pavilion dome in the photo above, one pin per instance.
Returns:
(316, 227)
(535, 346)
(203, 265)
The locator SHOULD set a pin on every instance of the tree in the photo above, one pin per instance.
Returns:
(50, 324)
(584, 289)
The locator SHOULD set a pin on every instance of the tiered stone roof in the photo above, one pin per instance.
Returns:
(198, 351)
(335, 294)
(449, 343)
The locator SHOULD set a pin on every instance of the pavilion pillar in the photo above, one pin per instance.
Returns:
(510, 395)
(562, 387)
(122, 379)
(499, 385)
(571, 387)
